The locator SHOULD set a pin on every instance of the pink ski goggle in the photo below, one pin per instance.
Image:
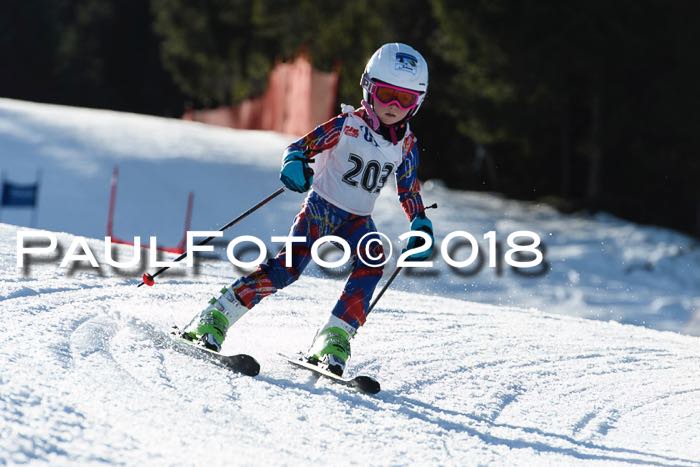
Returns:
(388, 94)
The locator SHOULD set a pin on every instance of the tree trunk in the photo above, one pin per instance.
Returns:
(565, 141)
(596, 152)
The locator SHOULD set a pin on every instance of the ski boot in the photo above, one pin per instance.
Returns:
(216, 319)
(331, 347)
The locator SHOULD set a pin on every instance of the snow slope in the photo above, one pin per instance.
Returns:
(600, 267)
(87, 376)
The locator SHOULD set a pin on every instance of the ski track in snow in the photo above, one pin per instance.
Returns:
(88, 375)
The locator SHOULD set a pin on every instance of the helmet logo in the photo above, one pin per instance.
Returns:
(406, 62)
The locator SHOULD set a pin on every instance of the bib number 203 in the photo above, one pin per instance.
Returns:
(372, 176)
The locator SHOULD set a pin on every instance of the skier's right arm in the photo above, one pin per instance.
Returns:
(296, 174)
(323, 137)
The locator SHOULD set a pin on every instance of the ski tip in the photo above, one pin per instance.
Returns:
(367, 384)
(245, 364)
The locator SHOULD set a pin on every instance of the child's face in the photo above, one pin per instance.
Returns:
(389, 114)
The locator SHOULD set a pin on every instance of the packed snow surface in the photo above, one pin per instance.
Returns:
(87, 374)
(597, 267)
(475, 368)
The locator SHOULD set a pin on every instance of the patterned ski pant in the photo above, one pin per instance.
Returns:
(319, 218)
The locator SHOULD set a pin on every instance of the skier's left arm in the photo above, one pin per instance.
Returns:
(408, 188)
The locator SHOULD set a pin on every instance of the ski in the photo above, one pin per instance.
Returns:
(362, 383)
(240, 363)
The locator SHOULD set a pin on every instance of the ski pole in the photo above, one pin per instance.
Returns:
(148, 278)
(393, 274)
(386, 286)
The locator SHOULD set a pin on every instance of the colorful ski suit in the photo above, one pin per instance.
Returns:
(352, 164)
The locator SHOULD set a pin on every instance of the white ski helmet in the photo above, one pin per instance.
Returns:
(399, 65)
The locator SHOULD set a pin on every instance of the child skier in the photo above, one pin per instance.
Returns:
(354, 154)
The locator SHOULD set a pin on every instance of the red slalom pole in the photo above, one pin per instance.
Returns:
(112, 199)
(148, 279)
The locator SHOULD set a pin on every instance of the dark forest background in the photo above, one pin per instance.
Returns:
(587, 105)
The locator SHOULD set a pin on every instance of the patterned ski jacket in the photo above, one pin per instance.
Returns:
(353, 162)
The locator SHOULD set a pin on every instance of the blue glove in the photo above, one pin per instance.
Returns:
(296, 173)
(420, 222)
